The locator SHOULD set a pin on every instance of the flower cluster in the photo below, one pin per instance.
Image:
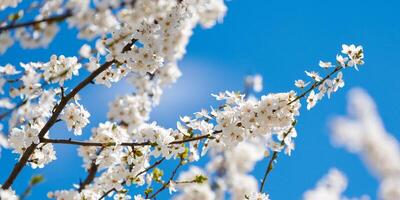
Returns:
(144, 40)
(21, 139)
(330, 187)
(9, 3)
(76, 117)
(239, 119)
(363, 133)
(258, 196)
(8, 194)
(132, 110)
(60, 69)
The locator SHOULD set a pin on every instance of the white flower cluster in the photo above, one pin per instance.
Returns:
(6, 42)
(76, 117)
(353, 56)
(21, 139)
(232, 169)
(131, 110)
(157, 39)
(240, 119)
(363, 133)
(330, 187)
(60, 69)
(258, 196)
(145, 39)
(8, 194)
(9, 3)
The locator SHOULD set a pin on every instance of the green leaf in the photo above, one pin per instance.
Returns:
(200, 179)
(36, 179)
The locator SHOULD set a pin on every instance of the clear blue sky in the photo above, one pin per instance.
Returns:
(278, 39)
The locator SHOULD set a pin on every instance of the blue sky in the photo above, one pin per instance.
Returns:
(278, 39)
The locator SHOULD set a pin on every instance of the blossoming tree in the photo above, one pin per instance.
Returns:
(142, 41)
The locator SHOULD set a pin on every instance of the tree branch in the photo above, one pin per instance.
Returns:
(52, 19)
(131, 144)
(91, 173)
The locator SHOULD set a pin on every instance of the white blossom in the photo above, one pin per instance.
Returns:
(258, 196)
(76, 117)
(301, 84)
(8, 194)
(60, 69)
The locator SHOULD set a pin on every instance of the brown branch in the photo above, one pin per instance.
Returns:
(131, 144)
(52, 19)
(108, 192)
(91, 173)
(90, 177)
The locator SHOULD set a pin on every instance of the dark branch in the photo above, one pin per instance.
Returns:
(131, 144)
(91, 173)
(53, 19)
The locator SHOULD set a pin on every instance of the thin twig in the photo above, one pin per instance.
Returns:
(169, 180)
(275, 154)
(52, 19)
(316, 84)
(272, 160)
(131, 144)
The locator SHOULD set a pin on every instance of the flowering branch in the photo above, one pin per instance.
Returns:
(155, 164)
(317, 84)
(53, 119)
